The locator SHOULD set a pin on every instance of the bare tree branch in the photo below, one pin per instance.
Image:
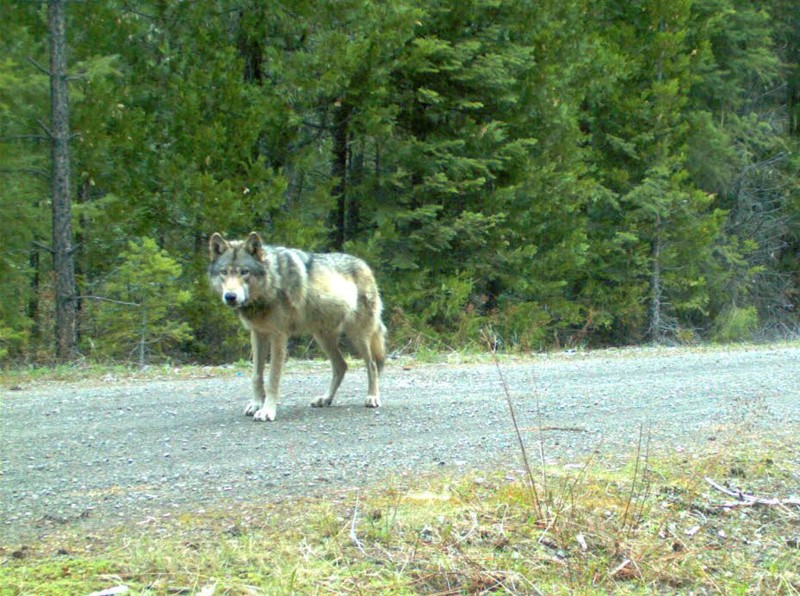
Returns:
(39, 66)
(45, 127)
(102, 299)
(23, 137)
(32, 171)
(41, 246)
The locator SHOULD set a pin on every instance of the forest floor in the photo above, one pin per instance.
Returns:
(127, 454)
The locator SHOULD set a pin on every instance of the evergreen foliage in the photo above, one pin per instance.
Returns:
(134, 313)
(567, 172)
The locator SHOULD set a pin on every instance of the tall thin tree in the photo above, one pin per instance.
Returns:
(63, 250)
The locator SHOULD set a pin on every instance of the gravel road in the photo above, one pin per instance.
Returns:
(99, 452)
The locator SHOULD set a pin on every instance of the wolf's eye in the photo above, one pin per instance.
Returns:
(244, 272)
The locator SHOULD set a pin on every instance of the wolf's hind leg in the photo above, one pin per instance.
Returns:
(330, 344)
(259, 346)
(362, 345)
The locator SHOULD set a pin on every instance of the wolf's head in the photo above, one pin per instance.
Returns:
(237, 269)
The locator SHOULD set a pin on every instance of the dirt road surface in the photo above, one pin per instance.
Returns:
(106, 451)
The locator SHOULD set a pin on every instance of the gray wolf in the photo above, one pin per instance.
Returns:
(281, 292)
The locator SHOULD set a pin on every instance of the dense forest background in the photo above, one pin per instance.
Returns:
(564, 172)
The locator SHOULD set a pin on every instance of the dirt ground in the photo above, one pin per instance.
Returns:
(99, 452)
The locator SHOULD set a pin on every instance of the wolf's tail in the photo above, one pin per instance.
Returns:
(377, 345)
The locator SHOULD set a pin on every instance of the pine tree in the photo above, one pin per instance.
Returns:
(656, 230)
(135, 311)
(466, 166)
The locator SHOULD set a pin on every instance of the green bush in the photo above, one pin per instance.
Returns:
(735, 324)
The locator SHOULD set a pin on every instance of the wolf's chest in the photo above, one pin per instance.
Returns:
(270, 317)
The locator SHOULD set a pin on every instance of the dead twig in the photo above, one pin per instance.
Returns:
(353, 537)
(745, 500)
(471, 530)
(575, 429)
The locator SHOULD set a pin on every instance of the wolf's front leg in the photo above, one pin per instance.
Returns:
(259, 344)
(276, 358)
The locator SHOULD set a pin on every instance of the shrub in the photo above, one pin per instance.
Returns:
(735, 324)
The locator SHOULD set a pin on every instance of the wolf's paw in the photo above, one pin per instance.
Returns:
(252, 408)
(265, 414)
(321, 402)
(372, 401)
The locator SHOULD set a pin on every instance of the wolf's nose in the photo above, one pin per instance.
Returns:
(230, 298)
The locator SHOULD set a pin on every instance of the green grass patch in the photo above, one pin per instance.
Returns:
(631, 525)
(93, 373)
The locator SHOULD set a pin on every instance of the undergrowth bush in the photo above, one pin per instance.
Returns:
(735, 324)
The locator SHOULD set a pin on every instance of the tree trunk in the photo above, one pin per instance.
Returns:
(339, 174)
(252, 53)
(353, 205)
(143, 338)
(63, 258)
(656, 290)
(33, 301)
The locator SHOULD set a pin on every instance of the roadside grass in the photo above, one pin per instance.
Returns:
(648, 523)
(20, 376)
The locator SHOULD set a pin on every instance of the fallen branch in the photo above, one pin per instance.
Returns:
(620, 568)
(745, 500)
(575, 429)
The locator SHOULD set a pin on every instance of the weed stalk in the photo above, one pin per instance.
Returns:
(490, 341)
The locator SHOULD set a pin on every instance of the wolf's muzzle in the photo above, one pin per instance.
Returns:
(231, 298)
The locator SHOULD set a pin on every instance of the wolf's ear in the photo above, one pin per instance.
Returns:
(254, 246)
(217, 245)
